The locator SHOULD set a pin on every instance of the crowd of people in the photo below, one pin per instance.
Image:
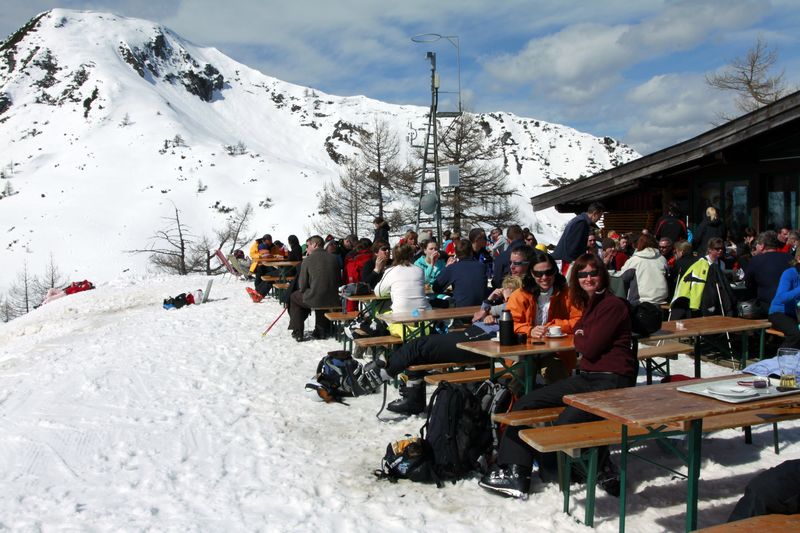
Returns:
(581, 285)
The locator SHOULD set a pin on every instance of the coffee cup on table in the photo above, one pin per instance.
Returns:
(554, 331)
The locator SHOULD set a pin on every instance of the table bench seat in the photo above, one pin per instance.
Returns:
(667, 350)
(775, 332)
(465, 376)
(774, 523)
(444, 366)
(277, 278)
(528, 417)
(386, 340)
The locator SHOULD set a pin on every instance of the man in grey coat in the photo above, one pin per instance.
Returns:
(317, 287)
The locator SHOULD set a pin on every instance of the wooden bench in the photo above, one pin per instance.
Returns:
(775, 332)
(528, 417)
(776, 523)
(667, 350)
(277, 278)
(465, 376)
(385, 343)
(444, 366)
(571, 439)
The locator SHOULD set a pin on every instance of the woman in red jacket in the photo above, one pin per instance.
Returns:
(603, 339)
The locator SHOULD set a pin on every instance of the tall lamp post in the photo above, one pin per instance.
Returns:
(452, 39)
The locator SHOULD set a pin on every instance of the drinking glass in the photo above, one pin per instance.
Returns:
(787, 362)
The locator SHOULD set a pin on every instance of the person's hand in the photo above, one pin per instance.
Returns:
(452, 260)
(538, 332)
(435, 257)
(489, 319)
(380, 261)
(496, 295)
(479, 315)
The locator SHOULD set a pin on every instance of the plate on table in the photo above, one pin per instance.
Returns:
(556, 336)
(732, 391)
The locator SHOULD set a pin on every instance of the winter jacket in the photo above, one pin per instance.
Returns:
(319, 279)
(406, 286)
(651, 275)
(354, 265)
(603, 336)
(671, 227)
(382, 233)
(788, 293)
(468, 279)
(502, 264)
(431, 271)
(763, 273)
(561, 312)
(572, 243)
(706, 230)
(522, 305)
(255, 253)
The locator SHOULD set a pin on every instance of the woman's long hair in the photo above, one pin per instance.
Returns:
(577, 296)
(534, 257)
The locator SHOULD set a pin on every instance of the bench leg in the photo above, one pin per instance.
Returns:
(748, 435)
(564, 475)
(591, 486)
(623, 478)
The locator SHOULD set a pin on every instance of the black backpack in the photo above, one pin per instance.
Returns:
(454, 439)
(646, 318)
(338, 376)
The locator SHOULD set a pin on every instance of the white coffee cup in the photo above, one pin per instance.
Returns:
(554, 331)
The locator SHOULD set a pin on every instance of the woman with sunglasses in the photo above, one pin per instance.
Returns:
(603, 338)
(544, 302)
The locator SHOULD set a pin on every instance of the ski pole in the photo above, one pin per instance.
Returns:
(274, 321)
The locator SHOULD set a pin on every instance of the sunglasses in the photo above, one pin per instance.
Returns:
(584, 275)
(384, 249)
(539, 273)
(519, 263)
(717, 249)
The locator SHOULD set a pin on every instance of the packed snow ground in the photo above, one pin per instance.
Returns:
(118, 416)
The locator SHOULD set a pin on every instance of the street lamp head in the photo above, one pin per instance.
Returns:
(426, 38)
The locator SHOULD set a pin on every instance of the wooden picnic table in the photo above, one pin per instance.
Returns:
(526, 355)
(411, 321)
(664, 411)
(696, 328)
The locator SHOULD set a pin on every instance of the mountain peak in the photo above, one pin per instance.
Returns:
(91, 104)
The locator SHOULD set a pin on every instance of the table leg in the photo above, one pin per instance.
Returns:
(623, 478)
(745, 349)
(694, 447)
(761, 343)
(697, 356)
(529, 377)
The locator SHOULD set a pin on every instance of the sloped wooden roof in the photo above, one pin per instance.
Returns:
(677, 157)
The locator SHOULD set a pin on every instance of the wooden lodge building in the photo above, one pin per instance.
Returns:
(748, 168)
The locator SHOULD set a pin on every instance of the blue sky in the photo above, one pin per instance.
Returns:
(630, 69)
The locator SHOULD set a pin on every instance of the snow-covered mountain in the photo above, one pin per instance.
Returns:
(106, 122)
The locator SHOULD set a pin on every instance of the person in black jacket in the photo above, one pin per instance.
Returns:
(465, 274)
(711, 227)
(670, 225)
(764, 271)
(501, 263)
(572, 243)
(381, 230)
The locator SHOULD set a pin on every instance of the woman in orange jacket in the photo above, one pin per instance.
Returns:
(542, 302)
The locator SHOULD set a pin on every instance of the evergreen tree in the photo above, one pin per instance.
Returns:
(482, 197)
